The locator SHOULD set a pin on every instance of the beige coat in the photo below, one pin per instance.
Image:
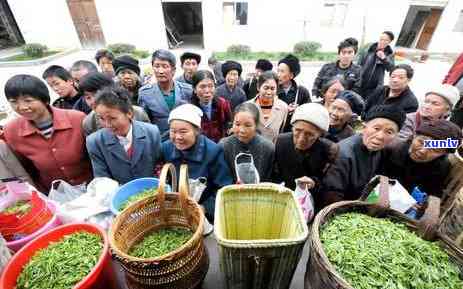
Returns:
(272, 127)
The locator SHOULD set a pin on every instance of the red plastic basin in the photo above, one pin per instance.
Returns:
(94, 279)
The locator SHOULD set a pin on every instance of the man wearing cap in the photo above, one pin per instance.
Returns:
(341, 111)
(250, 85)
(397, 94)
(438, 103)
(190, 62)
(302, 153)
(128, 75)
(205, 158)
(230, 90)
(161, 98)
(361, 156)
(413, 164)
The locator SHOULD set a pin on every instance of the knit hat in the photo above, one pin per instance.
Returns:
(354, 100)
(187, 112)
(449, 92)
(313, 113)
(165, 55)
(293, 63)
(231, 65)
(190, 55)
(264, 65)
(440, 130)
(126, 62)
(388, 112)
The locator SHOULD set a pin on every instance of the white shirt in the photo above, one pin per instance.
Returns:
(126, 142)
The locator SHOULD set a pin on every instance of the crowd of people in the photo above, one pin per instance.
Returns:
(109, 121)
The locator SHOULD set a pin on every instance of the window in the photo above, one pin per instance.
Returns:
(334, 13)
(235, 13)
(459, 25)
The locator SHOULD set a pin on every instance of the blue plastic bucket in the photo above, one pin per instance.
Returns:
(132, 188)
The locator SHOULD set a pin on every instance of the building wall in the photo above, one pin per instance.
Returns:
(46, 21)
(444, 38)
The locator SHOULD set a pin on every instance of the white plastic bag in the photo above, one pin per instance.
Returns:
(62, 192)
(93, 206)
(305, 199)
(399, 198)
(197, 187)
(246, 172)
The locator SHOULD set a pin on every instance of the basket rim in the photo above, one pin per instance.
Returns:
(317, 246)
(197, 235)
(258, 243)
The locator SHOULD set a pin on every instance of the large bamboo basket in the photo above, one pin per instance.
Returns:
(261, 233)
(320, 273)
(185, 267)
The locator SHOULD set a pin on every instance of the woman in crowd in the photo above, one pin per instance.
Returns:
(345, 105)
(90, 85)
(216, 110)
(49, 141)
(125, 149)
(186, 145)
(231, 90)
(245, 139)
(329, 91)
(128, 75)
(273, 111)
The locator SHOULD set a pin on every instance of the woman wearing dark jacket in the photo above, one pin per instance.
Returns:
(413, 164)
(378, 59)
(216, 110)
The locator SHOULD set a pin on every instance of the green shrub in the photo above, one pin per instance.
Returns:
(121, 48)
(34, 50)
(238, 49)
(306, 48)
(140, 54)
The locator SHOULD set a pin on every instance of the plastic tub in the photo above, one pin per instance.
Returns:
(94, 279)
(132, 188)
(53, 223)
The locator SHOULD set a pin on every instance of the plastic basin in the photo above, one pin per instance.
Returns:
(132, 188)
(53, 223)
(21, 258)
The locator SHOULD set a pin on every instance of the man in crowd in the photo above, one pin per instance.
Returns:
(190, 62)
(378, 59)
(250, 85)
(61, 82)
(79, 69)
(161, 98)
(230, 90)
(104, 58)
(361, 156)
(397, 94)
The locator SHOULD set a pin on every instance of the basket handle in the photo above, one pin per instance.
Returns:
(429, 222)
(161, 195)
(184, 190)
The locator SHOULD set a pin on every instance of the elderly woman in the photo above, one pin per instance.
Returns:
(216, 110)
(125, 149)
(128, 75)
(303, 153)
(438, 103)
(273, 111)
(186, 145)
(49, 141)
(414, 164)
(329, 91)
(245, 139)
(90, 85)
(231, 90)
(345, 105)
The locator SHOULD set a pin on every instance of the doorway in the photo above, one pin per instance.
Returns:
(87, 23)
(419, 26)
(10, 35)
(184, 24)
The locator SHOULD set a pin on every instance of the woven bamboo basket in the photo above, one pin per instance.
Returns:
(320, 273)
(452, 220)
(184, 267)
(261, 232)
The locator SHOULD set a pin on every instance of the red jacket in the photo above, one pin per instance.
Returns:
(455, 72)
(216, 127)
(63, 156)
